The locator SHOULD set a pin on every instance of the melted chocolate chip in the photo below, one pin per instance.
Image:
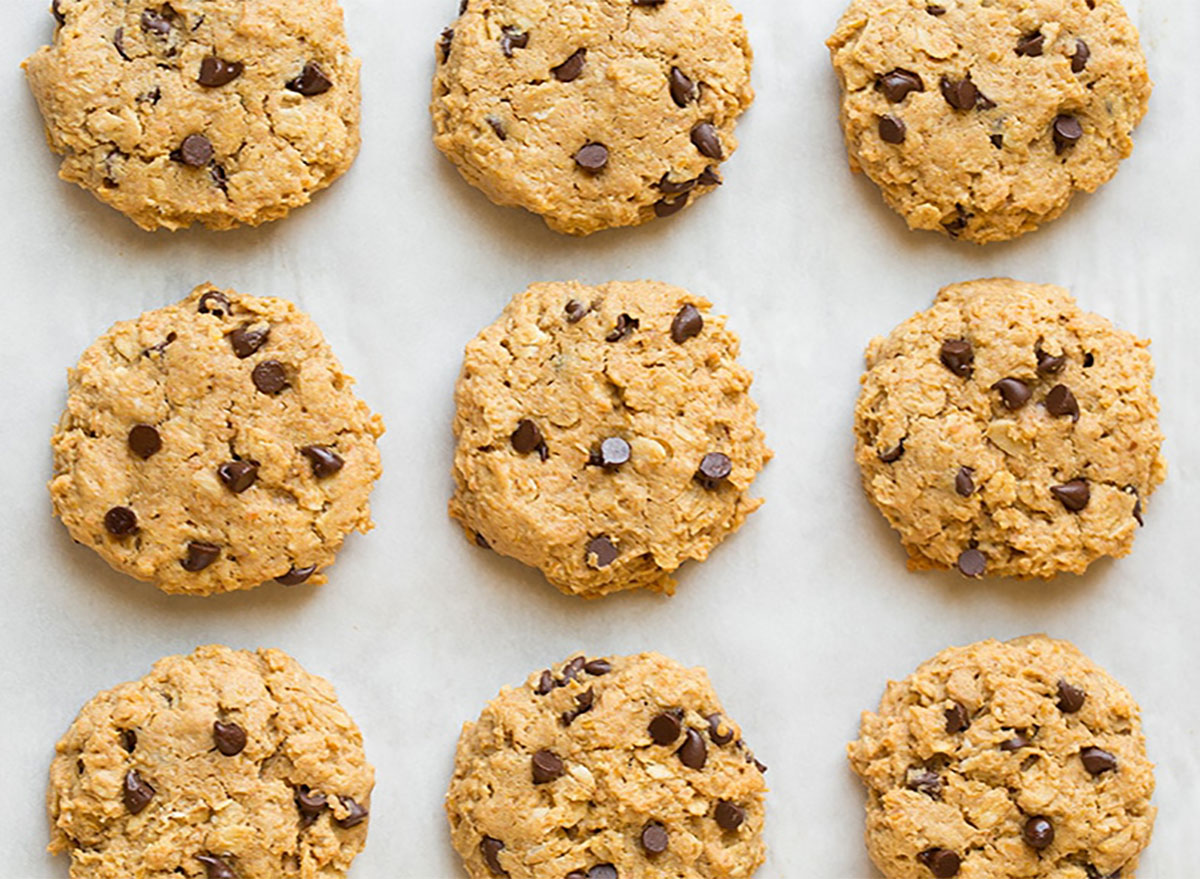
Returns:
(941, 862)
(355, 814)
(214, 303)
(229, 738)
(158, 21)
(693, 753)
(592, 157)
(310, 804)
(199, 556)
(964, 481)
(957, 718)
(295, 576)
(547, 767)
(1049, 364)
(958, 355)
(238, 475)
(666, 207)
(120, 521)
(196, 151)
(1014, 392)
(923, 781)
(601, 552)
(683, 90)
(246, 341)
(1067, 132)
(1097, 761)
(709, 177)
(216, 72)
(1016, 743)
(216, 868)
(1070, 698)
(714, 470)
(1073, 495)
(654, 838)
(325, 461)
(972, 563)
(1060, 401)
(897, 84)
(1031, 45)
(665, 728)
(311, 81)
(490, 849)
(687, 324)
(1038, 833)
(728, 815)
(512, 38)
(269, 377)
(624, 327)
(570, 69)
(706, 140)
(136, 793)
(892, 129)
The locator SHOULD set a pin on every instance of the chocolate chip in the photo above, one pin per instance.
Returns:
(136, 793)
(1070, 698)
(1089, 360)
(512, 38)
(195, 151)
(199, 556)
(960, 94)
(1073, 495)
(665, 728)
(269, 377)
(687, 324)
(120, 521)
(1014, 392)
(941, 862)
(624, 327)
(490, 848)
(714, 470)
(356, 814)
(958, 222)
(923, 781)
(897, 84)
(1016, 743)
(229, 738)
(601, 552)
(957, 718)
(575, 311)
(683, 90)
(592, 157)
(1060, 401)
(216, 868)
(1038, 833)
(527, 437)
(584, 702)
(1031, 45)
(892, 129)
(706, 140)
(156, 21)
(608, 871)
(547, 767)
(693, 753)
(1097, 761)
(129, 740)
(648, 3)
(1048, 364)
(958, 355)
(1092, 871)
(310, 804)
(654, 838)
(238, 475)
(892, 455)
(311, 81)
(325, 461)
(214, 303)
(1137, 507)
(246, 341)
(936, 10)
(666, 207)
(219, 177)
(729, 816)
(997, 141)
(1067, 132)
(445, 42)
(972, 563)
(295, 576)
(598, 667)
(714, 730)
(56, 11)
(1080, 59)
(216, 72)
(570, 69)
(119, 44)
(545, 683)
(964, 481)
(144, 440)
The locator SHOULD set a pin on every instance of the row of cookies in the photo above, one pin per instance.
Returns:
(979, 119)
(996, 759)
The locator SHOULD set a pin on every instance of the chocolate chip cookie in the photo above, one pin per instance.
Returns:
(1006, 432)
(606, 435)
(610, 768)
(980, 119)
(220, 112)
(592, 113)
(213, 445)
(225, 764)
(1003, 760)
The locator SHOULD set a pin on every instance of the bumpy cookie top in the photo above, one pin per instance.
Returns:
(617, 768)
(605, 434)
(981, 118)
(1002, 760)
(213, 111)
(213, 445)
(223, 764)
(592, 113)
(1006, 432)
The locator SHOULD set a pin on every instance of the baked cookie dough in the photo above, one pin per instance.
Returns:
(615, 768)
(592, 113)
(214, 445)
(1021, 760)
(606, 435)
(220, 112)
(980, 119)
(225, 764)
(1006, 432)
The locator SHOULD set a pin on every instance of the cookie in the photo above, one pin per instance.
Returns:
(1006, 432)
(226, 764)
(1005, 760)
(214, 445)
(616, 768)
(592, 113)
(606, 435)
(980, 119)
(220, 112)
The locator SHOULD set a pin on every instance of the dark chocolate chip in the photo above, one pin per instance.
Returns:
(964, 481)
(129, 740)
(972, 563)
(706, 140)
(246, 341)
(527, 437)
(683, 90)
(120, 521)
(481, 541)
(199, 556)
(957, 718)
(958, 222)
(613, 452)
(1049, 364)
(608, 871)
(144, 440)
(1070, 697)
(311, 81)
(56, 11)
(960, 94)
(584, 702)
(924, 781)
(156, 21)
(310, 804)
(1060, 401)
(1092, 871)
(892, 129)
(214, 303)
(892, 455)
(654, 838)
(216, 72)
(295, 576)
(665, 728)
(1016, 743)
(709, 177)
(941, 862)
(997, 141)
(216, 868)
(269, 377)
(547, 767)
(219, 177)
(238, 475)
(119, 44)
(624, 327)
(545, 683)
(570, 69)
(1137, 508)
(445, 43)
(572, 670)
(325, 461)
(1038, 833)
(714, 470)
(575, 311)
(936, 10)
(490, 849)
(1089, 360)
(598, 667)
(601, 552)
(687, 324)
(355, 814)
(714, 730)
(1014, 392)
(512, 38)
(1031, 45)
(729, 816)
(1080, 59)
(1097, 761)
(229, 738)
(666, 207)
(897, 84)
(1067, 132)
(196, 151)
(592, 157)
(958, 355)
(1073, 495)
(648, 3)
(693, 753)
(136, 793)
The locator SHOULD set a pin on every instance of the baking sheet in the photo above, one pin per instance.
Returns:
(800, 618)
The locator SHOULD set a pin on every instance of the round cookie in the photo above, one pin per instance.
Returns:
(1021, 760)
(214, 445)
(606, 435)
(221, 764)
(1006, 432)
(607, 769)
(220, 112)
(592, 113)
(981, 119)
